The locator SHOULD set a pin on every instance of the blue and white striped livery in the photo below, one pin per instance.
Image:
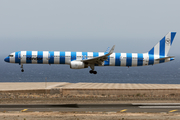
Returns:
(79, 60)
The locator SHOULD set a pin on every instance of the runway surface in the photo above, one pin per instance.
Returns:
(131, 108)
(12, 86)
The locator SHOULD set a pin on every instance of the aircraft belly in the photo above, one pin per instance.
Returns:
(134, 63)
(123, 63)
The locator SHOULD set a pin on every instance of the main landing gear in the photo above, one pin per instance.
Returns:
(94, 72)
(22, 70)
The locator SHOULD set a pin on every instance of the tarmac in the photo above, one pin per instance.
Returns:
(89, 108)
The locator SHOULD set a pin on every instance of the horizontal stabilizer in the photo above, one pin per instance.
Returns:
(165, 58)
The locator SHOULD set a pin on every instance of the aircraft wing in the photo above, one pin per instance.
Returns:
(165, 58)
(98, 60)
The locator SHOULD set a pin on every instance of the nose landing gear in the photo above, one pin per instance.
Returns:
(22, 70)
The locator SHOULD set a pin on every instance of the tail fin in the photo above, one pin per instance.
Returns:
(163, 46)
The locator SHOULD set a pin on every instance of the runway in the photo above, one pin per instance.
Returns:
(128, 108)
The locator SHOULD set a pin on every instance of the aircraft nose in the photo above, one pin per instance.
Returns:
(6, 59)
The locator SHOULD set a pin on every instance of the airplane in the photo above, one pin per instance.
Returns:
(79, 60)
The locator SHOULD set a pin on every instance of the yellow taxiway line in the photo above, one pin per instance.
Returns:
(173, 110)
(123, 110)
(24, 110)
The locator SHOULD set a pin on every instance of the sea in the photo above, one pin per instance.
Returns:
(165, 73)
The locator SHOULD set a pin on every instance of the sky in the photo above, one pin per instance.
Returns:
(87, 25)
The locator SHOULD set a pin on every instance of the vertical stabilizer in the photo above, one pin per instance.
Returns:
(163, 46)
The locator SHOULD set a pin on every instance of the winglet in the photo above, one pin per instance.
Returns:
(107, 50)
(112, 50)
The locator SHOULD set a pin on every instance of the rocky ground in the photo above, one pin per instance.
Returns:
(84, 101)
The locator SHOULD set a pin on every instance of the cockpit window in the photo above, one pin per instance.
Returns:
(10, 55)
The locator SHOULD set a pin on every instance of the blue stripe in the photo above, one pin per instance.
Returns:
(172, 36)
(162, 50)
(171, 59)
(95, 54)
(140, 59)
(128, 59)
(62, 57)
(51, 60)
(17, 60)
(73, 56)
(28, 56)
(40, 57)
(106, 62)
(117, 59)
(151, 51)
(84, 55)
(151, 59)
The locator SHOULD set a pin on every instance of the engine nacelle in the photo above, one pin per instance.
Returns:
(77, 65)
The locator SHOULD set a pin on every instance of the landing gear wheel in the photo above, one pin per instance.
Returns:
(91, 71)
(22, 70)
(95, 72)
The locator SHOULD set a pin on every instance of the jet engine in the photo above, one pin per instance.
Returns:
(77, 65)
